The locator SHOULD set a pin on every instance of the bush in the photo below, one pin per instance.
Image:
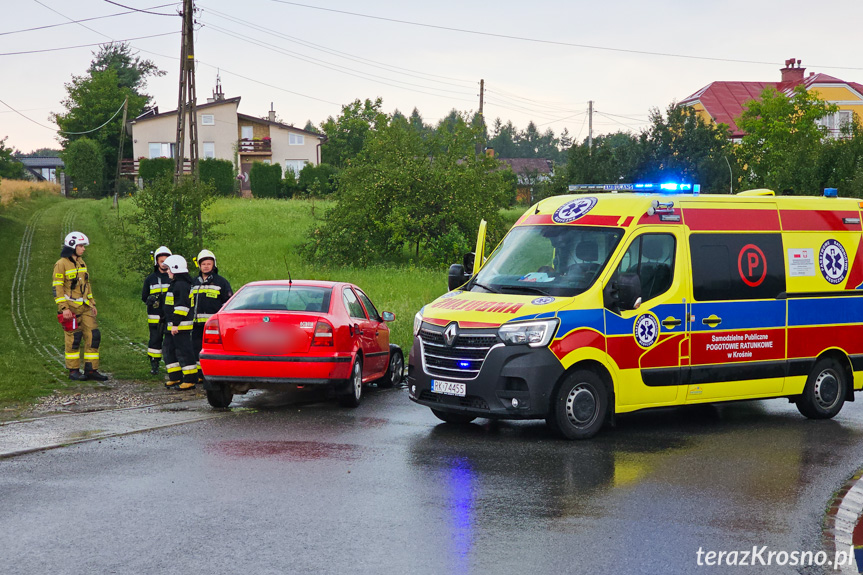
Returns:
(85, 166)
(266, 180)
(317, 180)
(220, 173)
(152, 169)
(289, 186)
(448, 248)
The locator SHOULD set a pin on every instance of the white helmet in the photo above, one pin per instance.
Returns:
(204, 254)
(177, 264)
(76, 239)
(161, 251)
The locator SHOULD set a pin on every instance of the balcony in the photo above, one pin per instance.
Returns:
(129, 168)
(262, 147)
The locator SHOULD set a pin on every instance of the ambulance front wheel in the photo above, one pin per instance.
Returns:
(825, 390)
(580, 405)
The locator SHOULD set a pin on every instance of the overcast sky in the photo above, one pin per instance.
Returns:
(430, 68)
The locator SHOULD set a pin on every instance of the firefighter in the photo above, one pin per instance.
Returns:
(153, 294)
(76, 309)
(211, 291)
(179, 355)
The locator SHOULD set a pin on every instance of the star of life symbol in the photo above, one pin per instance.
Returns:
(646, 330)
(833, 261)
(450, 333)
(571, 211)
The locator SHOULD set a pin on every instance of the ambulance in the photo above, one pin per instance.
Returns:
(631, 297)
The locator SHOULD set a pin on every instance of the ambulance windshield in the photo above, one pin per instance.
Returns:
(549, 260)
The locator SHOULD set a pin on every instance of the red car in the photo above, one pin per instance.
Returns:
(278, 334)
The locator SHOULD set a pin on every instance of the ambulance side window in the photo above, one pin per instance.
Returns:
(651, 257)
(737, 266)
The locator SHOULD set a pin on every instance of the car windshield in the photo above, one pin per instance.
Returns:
(282, 298)
(547, 260)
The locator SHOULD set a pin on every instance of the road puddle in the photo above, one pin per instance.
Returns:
(286, 450)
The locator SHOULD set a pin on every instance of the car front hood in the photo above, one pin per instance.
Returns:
(478, 310)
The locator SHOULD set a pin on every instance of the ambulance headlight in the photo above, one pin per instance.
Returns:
(418, 322)
(532, 333)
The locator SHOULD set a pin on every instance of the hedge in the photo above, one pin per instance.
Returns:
(265, 180)
(220, 173)
(152, 169)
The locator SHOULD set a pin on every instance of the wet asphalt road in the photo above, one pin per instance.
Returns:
(281, 487)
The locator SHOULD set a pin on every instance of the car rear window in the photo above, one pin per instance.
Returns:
(282, 298)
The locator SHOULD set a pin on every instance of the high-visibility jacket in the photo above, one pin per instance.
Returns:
(71, 282)
(210, 295)
(179, 303)
(156, 284)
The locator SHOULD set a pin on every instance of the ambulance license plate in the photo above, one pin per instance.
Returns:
(448, 388)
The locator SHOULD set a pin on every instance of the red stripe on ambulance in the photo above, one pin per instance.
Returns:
(712, 220)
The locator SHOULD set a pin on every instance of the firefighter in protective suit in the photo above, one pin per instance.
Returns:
(210, 291)
(76, 309)
(179, 355)
(153, 294)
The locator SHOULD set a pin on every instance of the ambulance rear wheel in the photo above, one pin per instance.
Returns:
(824, 394)
(580, 405)
(450, 417)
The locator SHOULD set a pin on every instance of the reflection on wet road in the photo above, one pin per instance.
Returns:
(291, 483)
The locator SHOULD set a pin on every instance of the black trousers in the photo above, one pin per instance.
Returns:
(154, 344)
(180, 357)
(198, 341)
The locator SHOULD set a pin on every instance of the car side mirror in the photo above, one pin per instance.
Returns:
(627, 291)
(388, 316)
(456, 277)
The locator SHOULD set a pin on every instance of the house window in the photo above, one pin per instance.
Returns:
(295, 166)
(208, 120)
(835, 122)
(155, 150)
(246, 132)
(296, 139)
(209, 149)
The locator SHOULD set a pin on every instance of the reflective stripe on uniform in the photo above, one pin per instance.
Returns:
(202, 317)
(57, 283)
(154, 352)
(189, 369)
(71, 273)
(93, 355)
(181, 310)
(74, 299)
(75, 355)
(173, 367)
(60, 299)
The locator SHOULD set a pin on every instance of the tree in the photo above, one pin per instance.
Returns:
(43, 153)
(310, 127)
(783, 140)
(93, 98)
(9, 167)
(347, 133)
(403, 190)
(614, 158)
(85, 166)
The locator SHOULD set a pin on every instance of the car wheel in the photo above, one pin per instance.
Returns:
(580, 406)
(354, 392)
(824, 394)
(395, 370)
(450, 417)
(220, 397)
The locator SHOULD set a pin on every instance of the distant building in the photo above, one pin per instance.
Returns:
(530, 172)
(724, 102)
(42, 169)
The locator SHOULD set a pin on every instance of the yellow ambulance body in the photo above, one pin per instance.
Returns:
(600, 304)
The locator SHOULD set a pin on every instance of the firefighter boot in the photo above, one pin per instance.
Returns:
(76, 375)
(154, 365)
(90, 373)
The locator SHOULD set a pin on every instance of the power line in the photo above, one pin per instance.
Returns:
(143, 11)
(625, 117)
(618, 121)
(552, 42)
(83, 45)
(77, 21)
(63, 131)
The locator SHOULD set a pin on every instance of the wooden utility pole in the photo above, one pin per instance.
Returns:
(589, 125)
(120, 154)
(481, 142)
(186, 103)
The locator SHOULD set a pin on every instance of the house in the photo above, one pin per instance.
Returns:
(42, 169)
(530, 172)
(724, 102)
(226, 134)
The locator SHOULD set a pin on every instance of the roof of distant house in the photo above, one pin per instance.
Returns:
(154, 112)
(44, 162)
(725, 101)
(527, 165)
(249, 118)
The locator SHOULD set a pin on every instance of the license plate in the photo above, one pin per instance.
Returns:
(448, 388)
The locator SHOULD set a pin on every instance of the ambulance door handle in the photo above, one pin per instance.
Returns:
(671, 322)
(712, 321)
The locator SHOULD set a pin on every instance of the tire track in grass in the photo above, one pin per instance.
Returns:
(26, 333)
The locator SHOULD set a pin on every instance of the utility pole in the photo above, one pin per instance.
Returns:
(481, 142)
(590, 125)
(186, 103)
(120, 155)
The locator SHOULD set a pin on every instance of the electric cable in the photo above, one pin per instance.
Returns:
(143, 11)
(63, 131)
(78, 21)
(85, 45)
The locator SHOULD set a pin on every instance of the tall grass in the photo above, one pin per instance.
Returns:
(14, 190)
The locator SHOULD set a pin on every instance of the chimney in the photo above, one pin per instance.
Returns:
(272, 113)
(792, 72)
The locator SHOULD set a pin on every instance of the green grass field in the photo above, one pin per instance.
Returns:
(261, 242)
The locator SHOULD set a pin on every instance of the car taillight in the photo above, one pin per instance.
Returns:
(211, 332)
(323, 334)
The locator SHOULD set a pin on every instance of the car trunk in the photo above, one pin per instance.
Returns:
(267, 332)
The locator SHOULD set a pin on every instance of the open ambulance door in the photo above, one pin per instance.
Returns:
(479, 252)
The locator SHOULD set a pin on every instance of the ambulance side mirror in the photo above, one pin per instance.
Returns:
(456, 277)
(467, 261)
(627, 290)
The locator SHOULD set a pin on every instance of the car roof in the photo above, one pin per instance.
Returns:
(307, 283)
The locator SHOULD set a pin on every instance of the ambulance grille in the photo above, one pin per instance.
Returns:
(462, 360)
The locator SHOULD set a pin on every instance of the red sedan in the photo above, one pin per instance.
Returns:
(278, 334)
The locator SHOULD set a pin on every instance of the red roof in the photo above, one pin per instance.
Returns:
(724, 101)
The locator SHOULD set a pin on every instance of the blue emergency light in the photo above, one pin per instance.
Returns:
(656, 188)
(831, 192)
(464, 364)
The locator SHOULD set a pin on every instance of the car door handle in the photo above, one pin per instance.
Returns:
(712, 321)
(671, 322)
